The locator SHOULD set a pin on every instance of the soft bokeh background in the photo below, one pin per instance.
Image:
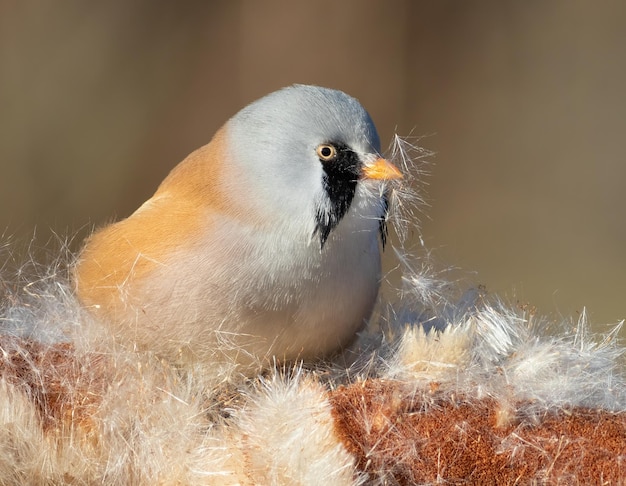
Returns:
(523, 102)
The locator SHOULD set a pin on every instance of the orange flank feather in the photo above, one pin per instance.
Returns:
(123, 253)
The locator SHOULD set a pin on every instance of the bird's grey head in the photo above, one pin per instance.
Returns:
(301, 151)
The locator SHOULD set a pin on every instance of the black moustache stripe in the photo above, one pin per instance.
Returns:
(339, 180)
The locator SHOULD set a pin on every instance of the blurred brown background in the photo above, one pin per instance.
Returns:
(523, 103)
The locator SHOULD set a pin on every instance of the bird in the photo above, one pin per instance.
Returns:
(265, 244)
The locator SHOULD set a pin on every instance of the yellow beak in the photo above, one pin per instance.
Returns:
(381, 169)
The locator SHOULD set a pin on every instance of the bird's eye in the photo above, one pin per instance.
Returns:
(326, 152)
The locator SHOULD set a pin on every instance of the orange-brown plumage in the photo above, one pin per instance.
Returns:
(119, 254)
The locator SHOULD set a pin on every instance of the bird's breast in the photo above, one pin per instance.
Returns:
(270, 292)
